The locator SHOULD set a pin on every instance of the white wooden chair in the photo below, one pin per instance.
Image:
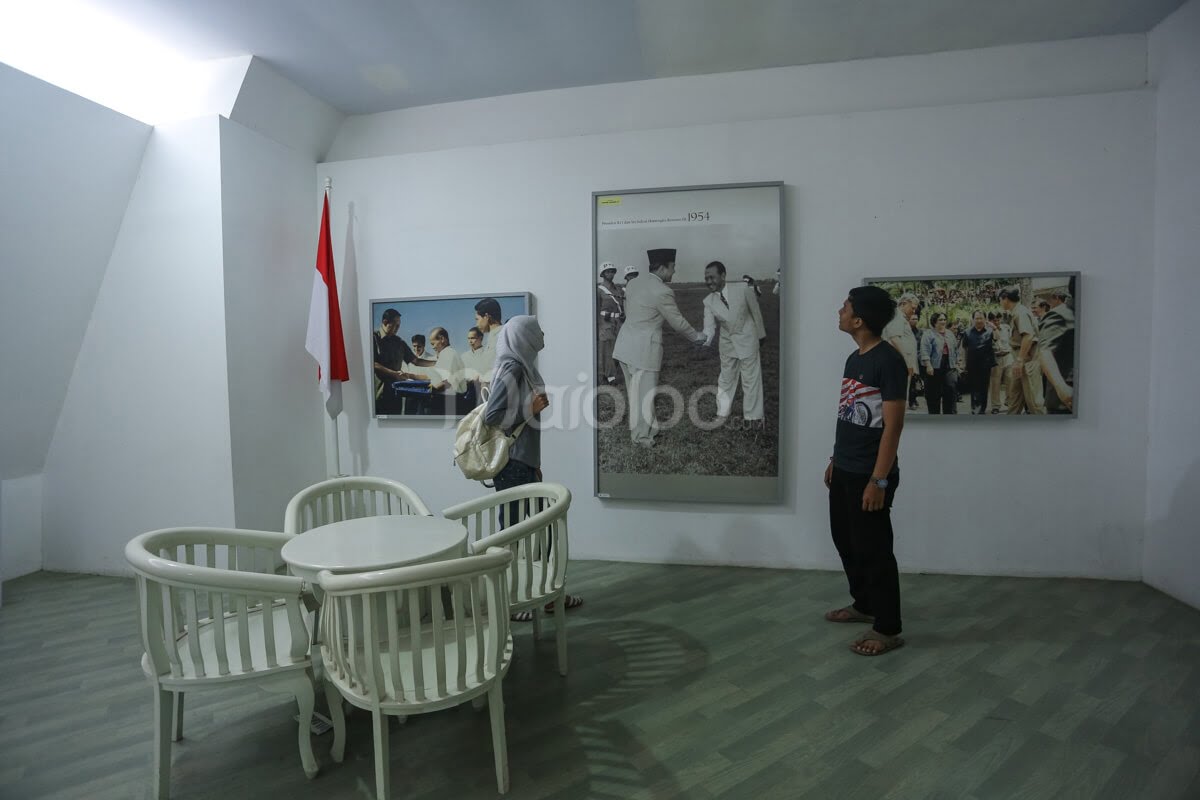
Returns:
(338, 499)
(383, 653)
(215, 612)
(537, 538)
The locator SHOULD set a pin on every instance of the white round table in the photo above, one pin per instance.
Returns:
(371, 543)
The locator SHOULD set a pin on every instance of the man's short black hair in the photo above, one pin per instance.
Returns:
(1012, 293)
(720, 267)
(418, 338)
(874, 306)
(488, 307)
(390, 315)
(475, 331)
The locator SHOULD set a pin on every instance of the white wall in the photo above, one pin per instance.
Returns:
(67, 166)
(1034, 184)
(20, 526)
(278, 109)
(1047, 69)
(1172, 553)
(270, 220)
(143, 438)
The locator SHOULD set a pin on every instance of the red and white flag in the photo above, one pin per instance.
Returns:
(324, 341)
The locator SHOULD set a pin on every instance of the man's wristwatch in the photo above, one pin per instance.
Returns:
(882, 483)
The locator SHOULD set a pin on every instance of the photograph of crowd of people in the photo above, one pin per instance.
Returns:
(687, 342)
(1001, 344)
(433, 356)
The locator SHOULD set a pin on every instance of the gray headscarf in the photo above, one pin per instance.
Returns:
(520, 340)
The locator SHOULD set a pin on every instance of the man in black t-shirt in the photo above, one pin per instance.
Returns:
(864, 471)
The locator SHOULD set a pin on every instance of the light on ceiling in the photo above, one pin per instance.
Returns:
(82, 49)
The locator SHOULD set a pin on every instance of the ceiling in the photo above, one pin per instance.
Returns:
(365, 56)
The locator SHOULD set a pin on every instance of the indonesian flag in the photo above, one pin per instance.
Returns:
(324, 341)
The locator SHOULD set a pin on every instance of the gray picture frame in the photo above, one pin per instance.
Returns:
(1037, 285)
(456, 314)
(620, 470)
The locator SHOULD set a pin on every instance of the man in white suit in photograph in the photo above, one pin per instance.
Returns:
(731, 310)
(649, 301)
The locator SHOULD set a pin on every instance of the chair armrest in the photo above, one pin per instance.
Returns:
(190, 576)
(504, 496)
(435, 572)
(514, 532)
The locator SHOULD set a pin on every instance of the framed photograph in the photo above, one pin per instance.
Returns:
(686, 321)
(988, 345)
(432, 356)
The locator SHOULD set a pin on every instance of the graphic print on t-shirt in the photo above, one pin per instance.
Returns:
(860, 404)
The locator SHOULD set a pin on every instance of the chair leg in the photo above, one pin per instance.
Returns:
(560, 634)
(334, 699)
(163, 711)
(177, 728)
(305, 699)
(537, 623)
(383, 771)
(499, 742)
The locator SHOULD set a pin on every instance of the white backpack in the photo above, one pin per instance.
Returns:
(481, 450)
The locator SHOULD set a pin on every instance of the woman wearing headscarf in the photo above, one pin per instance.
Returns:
(518, 396)
(939, 357)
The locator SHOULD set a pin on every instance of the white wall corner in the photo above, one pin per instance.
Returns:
(20, 526)
(223, 81)
(280, 110)
(1171, 549)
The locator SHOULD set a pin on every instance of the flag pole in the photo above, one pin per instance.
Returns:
(334, 385)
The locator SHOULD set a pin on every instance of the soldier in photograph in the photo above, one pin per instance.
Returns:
(899, 334)
(1003, 352)
(610, 301)
(1025, 375)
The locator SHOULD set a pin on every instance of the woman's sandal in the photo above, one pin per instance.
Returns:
(847, 614)
(573, 601)
(885, 644)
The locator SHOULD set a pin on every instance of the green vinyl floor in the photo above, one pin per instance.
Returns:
(686, 682)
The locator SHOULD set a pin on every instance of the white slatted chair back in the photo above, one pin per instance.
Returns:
(214, 609)
(529, 521)
(417, 639)
(340, 499)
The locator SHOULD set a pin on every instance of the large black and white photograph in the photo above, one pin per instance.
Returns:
(687, 342)
(987, 345)
(432, 357)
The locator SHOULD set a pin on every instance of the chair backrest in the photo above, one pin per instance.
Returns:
(530, 521)
(189, 578)
(338, 499)
(376, 643)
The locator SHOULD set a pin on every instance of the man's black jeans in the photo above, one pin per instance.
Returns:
(864, 541)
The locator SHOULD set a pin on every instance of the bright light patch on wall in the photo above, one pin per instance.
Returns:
(91, 53)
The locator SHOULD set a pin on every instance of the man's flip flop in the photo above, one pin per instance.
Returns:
(888, 643)
(847, 614)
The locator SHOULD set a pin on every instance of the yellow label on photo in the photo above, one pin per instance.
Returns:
(610, 201)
